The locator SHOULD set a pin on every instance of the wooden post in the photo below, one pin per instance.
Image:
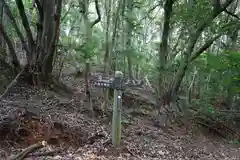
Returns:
(118, 85)
(117, 107)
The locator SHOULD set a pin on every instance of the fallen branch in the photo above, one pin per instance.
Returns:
(11, 84)
(43, 154)
(28, 150)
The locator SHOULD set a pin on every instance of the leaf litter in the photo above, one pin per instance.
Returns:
(39, 114)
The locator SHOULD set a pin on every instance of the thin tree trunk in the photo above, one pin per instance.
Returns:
(129, 40)
(163, 52)
(2, 42)
(17, 29)
(108, 5)
(233, 46)
(26, 24)
(189, 55)
(14, 59)
(89, 26)
(120, 8)
(191, 86)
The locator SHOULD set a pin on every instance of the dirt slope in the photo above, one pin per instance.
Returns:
(29, 115)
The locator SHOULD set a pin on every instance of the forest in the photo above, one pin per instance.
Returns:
(123, 79)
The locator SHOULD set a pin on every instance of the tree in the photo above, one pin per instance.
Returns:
(165, 43)
(190, 54)
(41, 47)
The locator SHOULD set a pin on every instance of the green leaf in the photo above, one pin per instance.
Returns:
(211, 110)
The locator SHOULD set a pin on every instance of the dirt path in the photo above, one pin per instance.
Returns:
(80, 137)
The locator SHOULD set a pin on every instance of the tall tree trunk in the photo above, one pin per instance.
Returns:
(129, 35)
(163, 51)
(89, 27)
(2, 42)
(233, 47)
(47, 37)
(118, 18)
(17, 29)
(14, 59)
(5, 38)
(190, 91)
(108, 5)
(117, 22)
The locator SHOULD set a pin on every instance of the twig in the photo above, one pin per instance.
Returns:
(42, 154)
(11, 84)
(98, 14)
(28, 150)
(69, 8)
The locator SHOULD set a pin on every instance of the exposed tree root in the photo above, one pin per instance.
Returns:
(28, 150)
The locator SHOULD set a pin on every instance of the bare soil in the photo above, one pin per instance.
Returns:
(30, 115)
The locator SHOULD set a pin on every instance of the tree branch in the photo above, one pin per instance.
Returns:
(191, 44)
(232, 14)
(218, 7)
(205, 23)
(14, 23)
(175, 46)
(25, 23)
(70, 6)
(40, 9)
(205, 46)
(147, 14)
(15, 61)
(98, 13)
(226, 4)
(210, 41)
